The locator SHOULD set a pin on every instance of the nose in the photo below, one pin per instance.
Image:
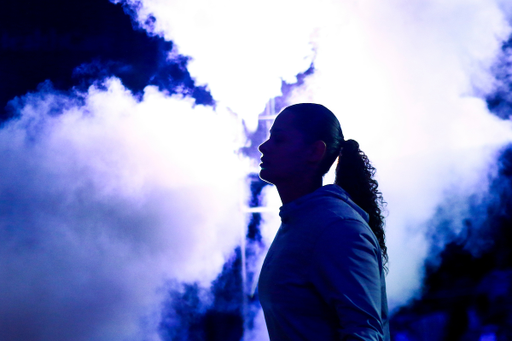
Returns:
(263, 147)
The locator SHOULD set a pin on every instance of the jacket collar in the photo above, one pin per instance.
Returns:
(333, 192)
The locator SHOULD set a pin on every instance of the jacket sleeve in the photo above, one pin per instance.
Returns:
(346, 270)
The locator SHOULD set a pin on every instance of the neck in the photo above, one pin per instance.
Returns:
(293, 190)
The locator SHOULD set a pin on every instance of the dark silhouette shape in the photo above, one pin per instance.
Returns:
(323, 276)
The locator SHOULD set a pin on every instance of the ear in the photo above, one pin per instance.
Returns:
(317, 151)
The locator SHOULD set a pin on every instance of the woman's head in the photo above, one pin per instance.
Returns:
(305, 140)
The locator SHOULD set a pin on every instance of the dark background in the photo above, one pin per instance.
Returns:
(74, 44)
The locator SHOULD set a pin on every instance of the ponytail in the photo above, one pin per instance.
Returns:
(355, 174)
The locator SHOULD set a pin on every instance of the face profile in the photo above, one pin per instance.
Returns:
(284, 154)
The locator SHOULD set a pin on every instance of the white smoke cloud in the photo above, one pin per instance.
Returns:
(242, 50)
(405, 78)
(402, 79)
(102, 200)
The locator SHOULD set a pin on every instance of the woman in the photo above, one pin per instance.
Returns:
(323, 276)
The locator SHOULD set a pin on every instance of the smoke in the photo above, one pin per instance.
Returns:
(242, 50)
(406, 79)
(103, 200)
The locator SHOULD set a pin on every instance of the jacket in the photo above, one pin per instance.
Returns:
(323, 278)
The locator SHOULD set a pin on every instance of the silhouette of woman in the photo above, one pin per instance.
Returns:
(323, 276)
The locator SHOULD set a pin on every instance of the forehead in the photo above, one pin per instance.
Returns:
(283, 122)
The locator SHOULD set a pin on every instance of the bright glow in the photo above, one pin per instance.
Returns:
(242, 50)
(110, 200)
(401, 79)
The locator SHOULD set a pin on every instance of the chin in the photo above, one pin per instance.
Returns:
(265, 176)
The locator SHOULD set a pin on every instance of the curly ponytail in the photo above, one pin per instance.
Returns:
(355, 174)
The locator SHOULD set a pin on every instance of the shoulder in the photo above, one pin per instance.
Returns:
(335, 209)
(344, 234)
(349, 227)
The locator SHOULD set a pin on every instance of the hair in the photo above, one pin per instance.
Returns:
(354, 172)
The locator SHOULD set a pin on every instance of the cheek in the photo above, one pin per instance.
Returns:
(297, 155)
(293, 160)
